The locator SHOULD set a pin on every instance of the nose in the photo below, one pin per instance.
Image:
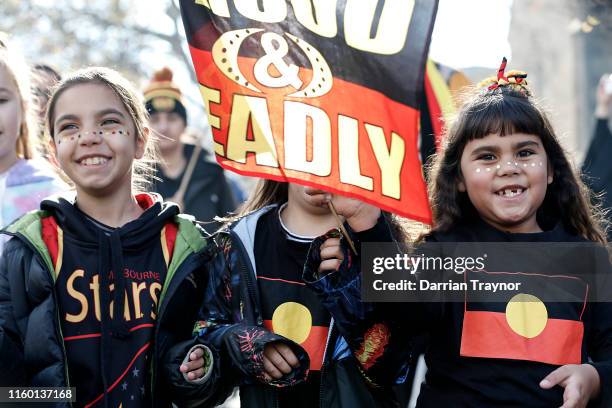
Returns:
(161, 126)
(90, 137)
(508, 168)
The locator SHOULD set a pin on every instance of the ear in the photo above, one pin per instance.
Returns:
(141, 142)
(550, 177)
(461, 186)
(52, 147)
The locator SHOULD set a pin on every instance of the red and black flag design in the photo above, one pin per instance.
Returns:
(292, 310)
(541, 321)
(323, 93)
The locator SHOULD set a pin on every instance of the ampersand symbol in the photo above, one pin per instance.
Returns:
(274, 57)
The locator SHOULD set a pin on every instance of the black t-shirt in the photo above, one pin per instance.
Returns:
(477, 354)
(289, 307)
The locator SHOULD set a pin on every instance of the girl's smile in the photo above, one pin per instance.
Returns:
(506, 178)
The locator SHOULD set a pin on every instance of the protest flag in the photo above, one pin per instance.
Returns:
(321, 93)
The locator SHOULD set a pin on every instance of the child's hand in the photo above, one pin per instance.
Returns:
(359, 215)
(581, 383)
(279, 360)
(194, 368)
(331, 255)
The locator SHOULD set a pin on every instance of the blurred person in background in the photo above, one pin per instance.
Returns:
(44, 78)
(24, 179)
(597, 166)
(184, 175)
(236, 181)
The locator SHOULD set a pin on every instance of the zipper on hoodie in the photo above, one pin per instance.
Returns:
(58, 327)
(248, 274)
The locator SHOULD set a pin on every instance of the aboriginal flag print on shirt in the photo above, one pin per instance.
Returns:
(525, 324)
(289, 307)
(104, 367)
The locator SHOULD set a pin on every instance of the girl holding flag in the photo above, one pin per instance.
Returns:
(276, 339)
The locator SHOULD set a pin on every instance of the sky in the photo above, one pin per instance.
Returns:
(471, 33)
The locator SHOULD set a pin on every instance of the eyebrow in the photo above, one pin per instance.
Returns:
(108, 111)
(98, 114)
(494, 148)
(66, 117)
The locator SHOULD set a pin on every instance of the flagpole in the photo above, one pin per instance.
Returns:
(341, 226)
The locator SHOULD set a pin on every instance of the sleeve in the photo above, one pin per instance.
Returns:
(598, 150)
(375, 332)
(224, 324)
(13, 371)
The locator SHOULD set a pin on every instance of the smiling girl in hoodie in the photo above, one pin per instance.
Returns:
(94, 289)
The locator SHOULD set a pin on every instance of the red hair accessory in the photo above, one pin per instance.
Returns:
(517, 80)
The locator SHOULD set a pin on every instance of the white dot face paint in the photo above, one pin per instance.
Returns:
(505, 162)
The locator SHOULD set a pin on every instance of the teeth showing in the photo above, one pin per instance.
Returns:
(510, 192)
(94, 161)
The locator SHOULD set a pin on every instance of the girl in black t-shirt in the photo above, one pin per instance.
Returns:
(502, 176)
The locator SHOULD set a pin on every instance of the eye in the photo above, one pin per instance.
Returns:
(486, 157)
(525, 153)
(67, 126)
(110, 122)
(3, 99)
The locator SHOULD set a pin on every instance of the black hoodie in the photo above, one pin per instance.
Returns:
(105, 350)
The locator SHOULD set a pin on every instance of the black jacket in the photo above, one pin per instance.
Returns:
(32, 351)
(597, 167)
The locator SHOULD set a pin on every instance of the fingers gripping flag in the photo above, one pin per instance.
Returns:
(319, 92)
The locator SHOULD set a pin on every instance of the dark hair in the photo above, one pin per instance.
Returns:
(505, 111)
(47, 69)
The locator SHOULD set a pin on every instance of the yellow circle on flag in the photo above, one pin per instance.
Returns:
(526, 315)
(293, 321)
